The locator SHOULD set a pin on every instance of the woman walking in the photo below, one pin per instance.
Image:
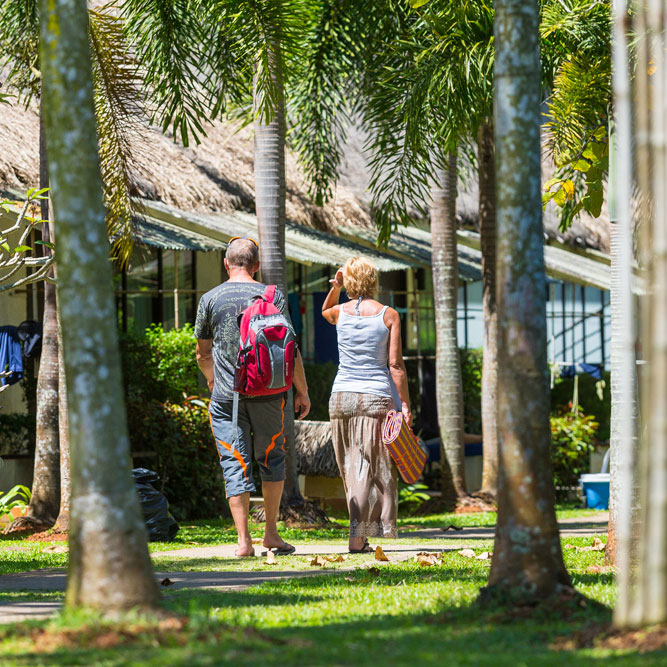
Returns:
(371, 356)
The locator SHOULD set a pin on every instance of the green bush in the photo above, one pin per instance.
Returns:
(173, 356)
(320, 379)
(573, 436)
(17, 434)
(160, 373)
(471, 377)
(561, 396)
(186, 458)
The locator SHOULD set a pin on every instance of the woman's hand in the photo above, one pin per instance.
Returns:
(338, 280)
(407, 413)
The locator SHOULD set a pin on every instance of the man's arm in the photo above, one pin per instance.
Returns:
(301, 399)
(205, 359)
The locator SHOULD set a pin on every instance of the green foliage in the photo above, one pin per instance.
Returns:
(185, 454)
(173, 360)
(411, 496)
(17, 496)
(320, 379)
(17, 434)
(118, 113)
(576, 37)
(589, 401)
(573, 436)
(471, 377)
(165, 420)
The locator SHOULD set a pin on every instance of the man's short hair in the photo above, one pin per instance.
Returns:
(242, 254)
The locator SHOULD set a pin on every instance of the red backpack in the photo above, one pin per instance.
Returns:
(265, 361)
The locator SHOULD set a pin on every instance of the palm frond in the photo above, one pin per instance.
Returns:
(168, 39)
(19, 46)
(118, 113)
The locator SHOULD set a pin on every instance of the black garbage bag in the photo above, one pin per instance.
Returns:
(161, 526)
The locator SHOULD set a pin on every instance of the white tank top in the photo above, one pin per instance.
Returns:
(363, 347)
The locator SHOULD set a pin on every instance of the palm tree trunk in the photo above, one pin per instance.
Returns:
(44, 503)
(527, 559)
(62, 522)
(488, 236)
(270, 192)
(642, 596)
(109, 565)
(449, 393)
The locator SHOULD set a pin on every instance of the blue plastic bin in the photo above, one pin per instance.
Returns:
(596, 490)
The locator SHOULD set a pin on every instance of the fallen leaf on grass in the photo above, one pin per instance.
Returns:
(380, 554)
(485, 555)
(167, 582)
(348, 578)
(257, 540)
(56, 548)
(426, 559)
(340, 558)
(598, 545)
(270, 558)
(600, 569)
(375, 571)
(319, 561)
(466, 553)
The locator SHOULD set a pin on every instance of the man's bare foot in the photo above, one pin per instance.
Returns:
(273, 541)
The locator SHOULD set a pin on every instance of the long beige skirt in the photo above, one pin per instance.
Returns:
(369, 474)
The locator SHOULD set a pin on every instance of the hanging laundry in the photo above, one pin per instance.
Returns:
(11, 360)
(30, 335)
(593, 370)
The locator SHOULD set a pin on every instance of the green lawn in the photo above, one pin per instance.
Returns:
(397, 614)
(359, 613)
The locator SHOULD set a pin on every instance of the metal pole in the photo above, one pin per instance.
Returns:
(176, 322)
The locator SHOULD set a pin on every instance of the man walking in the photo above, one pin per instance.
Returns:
(261, 419)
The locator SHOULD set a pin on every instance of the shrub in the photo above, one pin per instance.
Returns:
(320, 379)
(17, 434)
(471, 377)
(573, 436)
(185, 454)
(166, 421)
(173, 356)
(589, 401)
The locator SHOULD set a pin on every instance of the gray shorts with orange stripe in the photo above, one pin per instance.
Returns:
(261, 429)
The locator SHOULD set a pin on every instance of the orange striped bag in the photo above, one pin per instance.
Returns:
(402, 444)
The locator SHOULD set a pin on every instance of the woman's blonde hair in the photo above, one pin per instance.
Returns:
(360, 277)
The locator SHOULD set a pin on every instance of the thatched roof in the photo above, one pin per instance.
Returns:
(215, 176)
(314, 449)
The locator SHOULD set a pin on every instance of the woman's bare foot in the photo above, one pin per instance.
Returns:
(359, 545)
(245, 551)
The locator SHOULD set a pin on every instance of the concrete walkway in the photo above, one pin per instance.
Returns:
(435, 540)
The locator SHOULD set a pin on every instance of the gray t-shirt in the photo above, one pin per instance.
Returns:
(218, 319)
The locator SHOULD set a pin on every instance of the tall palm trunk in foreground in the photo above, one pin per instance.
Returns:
(488, 236)
(527, 559)
(449, 394)
(109, 565)
(643, 589)
(270, 190)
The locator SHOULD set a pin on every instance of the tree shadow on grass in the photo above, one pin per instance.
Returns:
(460, 633)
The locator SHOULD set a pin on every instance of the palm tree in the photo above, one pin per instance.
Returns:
(116, 113)
(642, 498)
(109, 563)
(527, 560)
(488, 238)
(448, 360)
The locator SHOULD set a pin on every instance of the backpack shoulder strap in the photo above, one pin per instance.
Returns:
(270, 293)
